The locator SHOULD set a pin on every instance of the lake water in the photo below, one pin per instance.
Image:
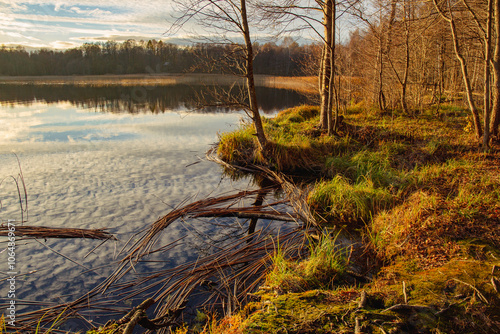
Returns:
(109, 157)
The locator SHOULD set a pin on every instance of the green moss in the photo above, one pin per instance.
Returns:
(455, 293)
(307, 312)
(106, 330)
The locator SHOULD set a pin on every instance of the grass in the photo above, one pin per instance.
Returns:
(341, 202)
(427, 205)
(295, 144)
(322, 269)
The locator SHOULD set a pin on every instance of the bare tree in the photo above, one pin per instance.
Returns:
(381, 28)
(495, 117)
(223, 21)
(448, 15)
(321, 17)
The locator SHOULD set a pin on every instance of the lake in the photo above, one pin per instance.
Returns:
(108, 157)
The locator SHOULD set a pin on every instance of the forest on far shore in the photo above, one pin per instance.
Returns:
(148, 57)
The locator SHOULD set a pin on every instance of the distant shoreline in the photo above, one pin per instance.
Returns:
(303, 84)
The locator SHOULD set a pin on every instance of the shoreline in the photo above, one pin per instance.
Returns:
(301, 84)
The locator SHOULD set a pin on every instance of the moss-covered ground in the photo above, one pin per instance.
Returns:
(426, 202)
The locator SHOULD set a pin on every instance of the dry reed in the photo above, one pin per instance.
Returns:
(238, 268)
(57, 232)
(232, 273)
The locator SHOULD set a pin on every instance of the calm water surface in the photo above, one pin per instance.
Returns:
(115, 158)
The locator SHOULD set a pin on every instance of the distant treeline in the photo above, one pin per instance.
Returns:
(132, 57)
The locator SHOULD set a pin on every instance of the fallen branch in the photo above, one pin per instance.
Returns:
(363, 300)
(57, 232)
(481, 296)
(242, 213)
(496, 284)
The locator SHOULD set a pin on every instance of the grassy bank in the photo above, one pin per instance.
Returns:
(426, 204)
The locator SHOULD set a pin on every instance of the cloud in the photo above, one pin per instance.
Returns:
(9, 6)
(63, 45)
(53, 22)
(91, 12)
(18, 35)
(117, 38)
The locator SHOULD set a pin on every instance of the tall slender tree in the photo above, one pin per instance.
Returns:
(446, 11)
(221, 19)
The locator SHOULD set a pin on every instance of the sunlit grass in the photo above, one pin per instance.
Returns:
(295, 145)
(339, 201)
(322, 269)
(429, 205)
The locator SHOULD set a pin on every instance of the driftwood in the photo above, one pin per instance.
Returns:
(248, 213)
(56, 232)
(138, 317)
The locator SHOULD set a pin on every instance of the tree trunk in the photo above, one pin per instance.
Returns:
(487, 56)
(404, 82)
(331, 83)
(463, 67)
(252, 96)
(495, 116)
(380, 88)
(384, 49)
(325, 113)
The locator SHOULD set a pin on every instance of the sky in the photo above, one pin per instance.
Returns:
(65, 24)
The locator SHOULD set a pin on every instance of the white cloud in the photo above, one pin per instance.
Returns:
(58, 6)
(91, 12)
(18, 35)
(57, 22)
(63, 45)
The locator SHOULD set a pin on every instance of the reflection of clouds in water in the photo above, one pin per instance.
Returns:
(14, 124)
(123, 186)
(54, 124)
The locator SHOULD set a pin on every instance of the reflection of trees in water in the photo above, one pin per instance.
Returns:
(139, 99)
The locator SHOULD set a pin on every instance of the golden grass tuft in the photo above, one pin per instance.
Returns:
(340, 202)
(322, 269)
(295, 145)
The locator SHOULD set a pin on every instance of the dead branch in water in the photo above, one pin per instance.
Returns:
(295, 195)
(238, 265)
(229, 275)
(57, 232)
(251, 212)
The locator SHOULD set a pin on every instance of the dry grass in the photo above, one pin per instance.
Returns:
(453, 202)
(295, 83)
